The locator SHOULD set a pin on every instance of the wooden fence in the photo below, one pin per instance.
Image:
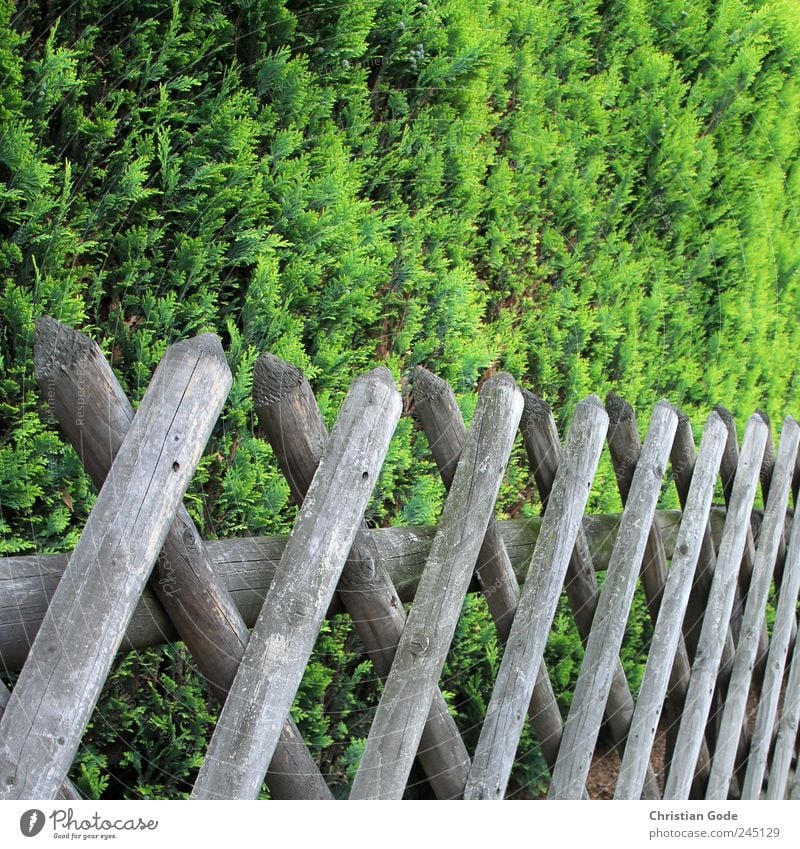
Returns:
(724, 685)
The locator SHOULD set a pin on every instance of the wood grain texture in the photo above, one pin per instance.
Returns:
(293, 424)
(754, 614)
(397, 727)
(605, 640)
(720, 604)
(67, 791)
(76, 644)
(728, 473)
(87, 400)
(583, 591)
(667, 632)
(246, 567)
(683, 458)
(767, 471)
(437, 410)
(281, 642)
(625, 448)
(785, 746)
(497, 745)
(785, 619)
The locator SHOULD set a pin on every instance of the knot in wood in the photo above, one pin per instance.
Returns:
(418, 645)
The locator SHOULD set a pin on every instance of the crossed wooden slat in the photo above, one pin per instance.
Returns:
(290, 418)
(70, 659)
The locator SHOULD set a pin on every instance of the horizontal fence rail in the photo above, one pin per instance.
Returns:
(720, 582)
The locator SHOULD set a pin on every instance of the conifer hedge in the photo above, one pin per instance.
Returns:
(587, 194)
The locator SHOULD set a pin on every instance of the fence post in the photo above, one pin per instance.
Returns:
(395, 733)
(94, 413)
(544, 455)
(84, 625)
(435, 406)
(497, 745)
(625, 449)
(667, 632)
(683, 458)
(728, 472)
(283, 637)
(608, 628)
(720, 604)
(293, 424)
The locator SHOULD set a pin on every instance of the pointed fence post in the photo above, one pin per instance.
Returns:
(283, 637)
(583, 591)
(720, 604)
(497, 745)
(625, 448)
(72, 655)
(435, 406)
(602, 648)
(728, 471)
(84, 395)
(289, 416)
(667, 632)
(396, 730)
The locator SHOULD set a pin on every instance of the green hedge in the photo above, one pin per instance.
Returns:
(586, 194)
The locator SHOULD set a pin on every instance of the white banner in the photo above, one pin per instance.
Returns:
(398, 824)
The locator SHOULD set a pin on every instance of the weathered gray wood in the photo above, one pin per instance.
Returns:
(728, 473)
(608, 629)
(667, 632)
(785, 740)
(94, 413)
(625, 449)
(396, 729)
(753, 619)
(720, 603)
(497, 745)
(67, 791)
(785, 618)
(281, 642)
(75, 647)
(246, 566)
(683, 458)
(436, 407)
(293, 424)
(767, 470)
(544, 455)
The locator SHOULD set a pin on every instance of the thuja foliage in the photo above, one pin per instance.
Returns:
(587, 194)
